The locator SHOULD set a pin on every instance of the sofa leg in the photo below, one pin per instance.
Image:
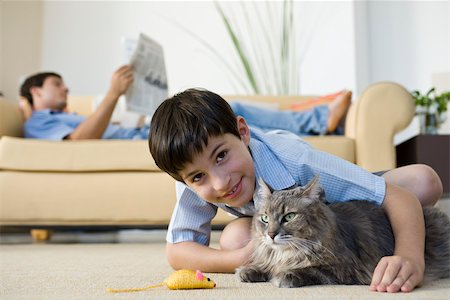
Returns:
(41, 235)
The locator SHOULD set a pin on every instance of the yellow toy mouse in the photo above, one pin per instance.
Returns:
(180, 280)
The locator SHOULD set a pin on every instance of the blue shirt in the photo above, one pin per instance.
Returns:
(282, 161)
(56, 125)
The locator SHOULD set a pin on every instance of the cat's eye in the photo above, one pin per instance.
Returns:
(289, 217)
(264, 218)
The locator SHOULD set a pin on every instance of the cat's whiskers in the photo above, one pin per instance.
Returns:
(307, 248)
(303, 251)
(266, 240)
(312, 245)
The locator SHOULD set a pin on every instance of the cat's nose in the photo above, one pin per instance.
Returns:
(272, 234)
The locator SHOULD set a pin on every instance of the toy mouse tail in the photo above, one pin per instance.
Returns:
(135, 289)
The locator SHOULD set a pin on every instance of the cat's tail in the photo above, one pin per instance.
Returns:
(437, 244)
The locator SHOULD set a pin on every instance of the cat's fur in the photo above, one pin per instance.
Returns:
(339, 243)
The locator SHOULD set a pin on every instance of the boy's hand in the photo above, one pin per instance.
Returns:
(397, 273)
(205, 258)
(403, 271)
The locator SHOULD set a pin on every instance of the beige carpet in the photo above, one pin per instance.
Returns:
(86, 270)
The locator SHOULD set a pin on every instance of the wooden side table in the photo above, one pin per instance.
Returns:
(432, 150)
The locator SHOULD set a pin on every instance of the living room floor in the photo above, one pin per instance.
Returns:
(82, 265)
(125, 236)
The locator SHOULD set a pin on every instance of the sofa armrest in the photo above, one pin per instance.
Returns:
(11, 120)
(381, 111)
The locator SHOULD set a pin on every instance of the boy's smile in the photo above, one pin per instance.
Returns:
(223, 172)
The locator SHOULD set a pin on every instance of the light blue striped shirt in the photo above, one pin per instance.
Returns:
(57, 125)
(282, 160)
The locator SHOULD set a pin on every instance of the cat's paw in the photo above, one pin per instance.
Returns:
(250, 274)
(287, 281)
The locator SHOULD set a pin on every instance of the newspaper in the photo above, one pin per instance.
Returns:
(149, 87)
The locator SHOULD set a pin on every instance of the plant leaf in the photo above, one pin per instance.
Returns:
(239, 49)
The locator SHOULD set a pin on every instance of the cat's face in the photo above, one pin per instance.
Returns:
(285, 217)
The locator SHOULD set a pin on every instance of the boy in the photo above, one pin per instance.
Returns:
(215, 158)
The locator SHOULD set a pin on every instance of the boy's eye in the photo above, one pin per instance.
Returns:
(221, 156)
(264, 218)
(289, 217)
(197, 177)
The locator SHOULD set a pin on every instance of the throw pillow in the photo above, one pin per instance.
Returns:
(25, 108)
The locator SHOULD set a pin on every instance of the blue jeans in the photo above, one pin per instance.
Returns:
(311, 122)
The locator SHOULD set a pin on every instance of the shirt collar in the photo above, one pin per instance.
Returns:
(267, 165)
(47, 111)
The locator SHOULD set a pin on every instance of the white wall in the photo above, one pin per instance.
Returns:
(344, 44)
(409, 41)
(85, 45)
(82, 41)
(329, 63)
(20, 43)
(1, 48)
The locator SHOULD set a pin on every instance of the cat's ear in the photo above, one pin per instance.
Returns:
(262, 190)
(313, 190)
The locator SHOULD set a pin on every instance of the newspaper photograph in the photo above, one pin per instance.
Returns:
(149, 87)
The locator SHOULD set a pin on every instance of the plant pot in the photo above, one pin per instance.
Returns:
(431, 124)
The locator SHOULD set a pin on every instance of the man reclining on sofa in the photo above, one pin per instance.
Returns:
(47, 95)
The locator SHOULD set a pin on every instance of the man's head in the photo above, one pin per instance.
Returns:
(45, 90)
(196, 138)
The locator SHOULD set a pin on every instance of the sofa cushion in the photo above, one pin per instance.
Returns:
(18, 154)
(337, 145)
(93, 198)
(75, 156)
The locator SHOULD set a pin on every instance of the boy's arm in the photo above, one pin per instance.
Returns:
(95, 125)
(191, 255)
(403, 271)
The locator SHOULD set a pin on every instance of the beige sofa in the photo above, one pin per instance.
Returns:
(111, 182)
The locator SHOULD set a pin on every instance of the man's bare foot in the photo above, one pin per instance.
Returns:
(338, 109)
(140, 122)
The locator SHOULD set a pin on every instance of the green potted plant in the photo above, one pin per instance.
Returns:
(431, 108)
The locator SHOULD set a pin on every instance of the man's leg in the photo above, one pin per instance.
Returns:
(321, 119)
(421, 180)
(236, 234)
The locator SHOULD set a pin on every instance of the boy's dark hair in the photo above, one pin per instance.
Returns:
(32, 81)
(182, 125)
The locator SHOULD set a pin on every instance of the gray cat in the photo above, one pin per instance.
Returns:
(302, 240)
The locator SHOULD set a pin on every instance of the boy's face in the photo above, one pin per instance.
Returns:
(52, 94)
(223, 172)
